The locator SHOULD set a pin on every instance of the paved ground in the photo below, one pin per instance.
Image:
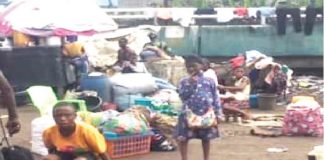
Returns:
(235, 143)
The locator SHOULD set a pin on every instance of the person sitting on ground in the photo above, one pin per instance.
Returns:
(155, 50)
(71, 140)
(236, 97)
(125, 53)
(127, 58)
(272, 80)
(133, 66)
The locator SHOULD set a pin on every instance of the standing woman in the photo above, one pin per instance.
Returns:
(198, 93)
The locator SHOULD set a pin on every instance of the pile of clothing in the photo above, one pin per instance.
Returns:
(308, 86)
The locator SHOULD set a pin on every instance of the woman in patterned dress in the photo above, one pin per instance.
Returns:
(197, 93)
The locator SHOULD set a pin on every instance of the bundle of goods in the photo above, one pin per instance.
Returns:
(38, 125)
(166, 101)
(307, 85)
(97, 118)
(173, 70)
(160, 142)
(303, 118)
(128, 87)
(156, 106)
(166, 125)
(128, 133)
(127, 123)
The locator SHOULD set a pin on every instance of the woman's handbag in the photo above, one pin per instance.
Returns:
(204, 121)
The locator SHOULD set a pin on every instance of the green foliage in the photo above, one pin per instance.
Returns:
(177, 3)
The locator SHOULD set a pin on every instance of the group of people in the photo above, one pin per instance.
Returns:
(199, 91)
(127, 59)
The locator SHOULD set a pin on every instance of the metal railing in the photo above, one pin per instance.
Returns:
(148, 13)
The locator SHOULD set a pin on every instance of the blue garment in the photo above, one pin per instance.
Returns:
(163, 84)
(72, 39)
(198, 97)
(81, 63)
(254, 75)
(267, 11)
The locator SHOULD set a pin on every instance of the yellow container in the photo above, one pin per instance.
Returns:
(298, 98)
(20, 39)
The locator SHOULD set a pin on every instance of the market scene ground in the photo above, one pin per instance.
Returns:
(236, 142)
(123, 80)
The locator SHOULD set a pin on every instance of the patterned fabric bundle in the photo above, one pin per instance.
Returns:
(303, 118)
(127, 123)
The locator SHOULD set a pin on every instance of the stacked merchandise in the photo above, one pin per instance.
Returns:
(127, 134)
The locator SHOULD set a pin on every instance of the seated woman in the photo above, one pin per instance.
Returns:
(127, 59)
(70, 140)
(133, 66)
(272, 80)
(155, 50)
(236, 98)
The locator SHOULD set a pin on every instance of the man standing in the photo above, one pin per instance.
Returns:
(8, 101)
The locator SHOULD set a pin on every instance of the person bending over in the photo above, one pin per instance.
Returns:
(71, 140)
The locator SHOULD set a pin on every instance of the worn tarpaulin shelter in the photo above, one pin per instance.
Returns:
(45, 65)
(55, 18)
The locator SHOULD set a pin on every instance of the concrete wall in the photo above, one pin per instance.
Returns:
(234, 39)
(223, 42)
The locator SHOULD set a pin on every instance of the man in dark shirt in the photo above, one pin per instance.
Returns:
(124, 53)
(127, 57)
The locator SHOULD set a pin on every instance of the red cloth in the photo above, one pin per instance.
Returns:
(238, 104)
(237, 61)
(241, 11)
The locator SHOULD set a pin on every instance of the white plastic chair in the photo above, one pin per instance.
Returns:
(43, 98)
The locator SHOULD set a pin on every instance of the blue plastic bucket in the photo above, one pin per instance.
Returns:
(253, 101)
(99, 83)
